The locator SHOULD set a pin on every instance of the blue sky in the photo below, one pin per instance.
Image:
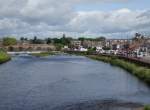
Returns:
(132, 5)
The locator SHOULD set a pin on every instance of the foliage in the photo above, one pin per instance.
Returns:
(106, 48)
(147, 107)
(100, 39)
(35, 40)
(91, 50)
(48, 40)
(81, 39)
(63, 40)
(59, 46)
(92, 39)
(23, 39)
(7, 41)
(4, 56)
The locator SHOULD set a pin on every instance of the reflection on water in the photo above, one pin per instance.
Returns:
(68, 83)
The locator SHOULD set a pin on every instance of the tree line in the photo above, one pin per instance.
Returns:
(7, 41)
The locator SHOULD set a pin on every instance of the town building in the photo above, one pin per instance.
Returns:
(75, 43)
(92, 43)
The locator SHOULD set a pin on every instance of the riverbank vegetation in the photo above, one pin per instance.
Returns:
(4, 57)
(43, 54)
(147, 107)
(7, 41)
(141, 72)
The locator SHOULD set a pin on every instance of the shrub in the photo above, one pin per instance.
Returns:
(9, 41)
(4, 57)
(147, 107)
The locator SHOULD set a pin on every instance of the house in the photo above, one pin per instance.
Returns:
(117, 46)
(75, 43)
(99, 50)
(81, 49)
(92, 43)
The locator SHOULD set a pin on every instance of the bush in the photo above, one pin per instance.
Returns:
(4, 57)
(147, 107)
(9, 41)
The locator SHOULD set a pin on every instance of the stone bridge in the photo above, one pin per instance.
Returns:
(30, 47)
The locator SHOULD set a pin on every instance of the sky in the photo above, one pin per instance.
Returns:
(75, 18)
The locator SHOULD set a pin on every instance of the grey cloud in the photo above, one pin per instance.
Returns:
(44, 17)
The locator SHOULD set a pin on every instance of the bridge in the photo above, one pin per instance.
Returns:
(24, 52)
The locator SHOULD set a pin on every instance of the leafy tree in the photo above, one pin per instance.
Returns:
(48, 40)
(100, 39)
(64, 35)
(65, 41)
(147, 107)
(106, 48)
(23, 39)
(35, 40)
(58, 47)
(56, 41)
(81, 39)
(7, 41)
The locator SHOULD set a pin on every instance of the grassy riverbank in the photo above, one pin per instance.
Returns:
(43, 54)
(141, 72)
(4, 57)
(147, 107)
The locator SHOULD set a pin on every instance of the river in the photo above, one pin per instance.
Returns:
(65, 82)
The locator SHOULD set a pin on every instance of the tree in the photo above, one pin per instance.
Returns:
(26, 38)
(48, 40)
(81, 39)
(8, 41)
(100, 39)
(106, 48)
(64, 35)
(35, 40)
(22, 39)
(56, 41)
(65, 41)
(58, 47)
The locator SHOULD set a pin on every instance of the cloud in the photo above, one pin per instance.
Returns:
(51, 17)
(123, 20)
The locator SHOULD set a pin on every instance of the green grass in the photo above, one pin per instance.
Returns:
(4, 57)
(43, 54)
(141, 72)
(147, 107)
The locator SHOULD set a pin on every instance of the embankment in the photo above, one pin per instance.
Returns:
(4, 57)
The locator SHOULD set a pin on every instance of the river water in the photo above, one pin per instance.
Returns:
(66, 82)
